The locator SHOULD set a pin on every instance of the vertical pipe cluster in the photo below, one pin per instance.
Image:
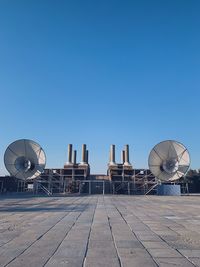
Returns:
(124, 155)
(85, 154)
(72, 155)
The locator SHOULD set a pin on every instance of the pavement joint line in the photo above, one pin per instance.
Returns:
(68, 231)
(141, 220)
(84, 260)
(170, 245)
(189, 259)
(159, 236)
(42, 235)
(39, 237)
(9, 239)
(178, 252)
(118, 256)
(134, 233)
(29, 219)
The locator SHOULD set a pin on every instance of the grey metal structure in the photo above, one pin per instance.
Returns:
(76, 178)
(24, 159)
(169, 161)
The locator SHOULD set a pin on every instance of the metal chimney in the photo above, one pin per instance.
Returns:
(83, 161)
(87, 156)
(74, 157)
(112, 155)
(69, 154)
(123, 156)
(126, 162)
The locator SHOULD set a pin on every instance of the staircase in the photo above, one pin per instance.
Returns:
(44, 189)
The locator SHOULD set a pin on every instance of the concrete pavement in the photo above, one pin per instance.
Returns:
(94, 231)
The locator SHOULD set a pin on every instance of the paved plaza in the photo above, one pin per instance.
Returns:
(94, 231)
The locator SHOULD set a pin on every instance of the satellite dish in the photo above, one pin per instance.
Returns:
(169, 161)
(24, 159)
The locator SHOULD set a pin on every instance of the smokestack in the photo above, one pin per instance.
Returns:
(69, 154)
(126, 155)
(112, 155)
(123, 156)
(83, 154)
(87, 156)
(74, 157)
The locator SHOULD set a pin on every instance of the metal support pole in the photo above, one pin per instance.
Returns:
(50, 182)
(89, 187)
(187, 188)
(79, 188)
(35, 186)
(103, 187)
(64, 184)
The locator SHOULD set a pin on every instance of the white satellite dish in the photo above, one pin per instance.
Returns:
(24, 159)
(169, 161)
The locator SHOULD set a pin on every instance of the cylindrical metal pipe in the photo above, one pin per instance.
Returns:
(123, 156)
(112, 154)
(70, 153)
(74, 157)
(126, 154)
(84, 153)
(87, 156)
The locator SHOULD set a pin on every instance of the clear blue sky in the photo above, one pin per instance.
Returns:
(100, 72)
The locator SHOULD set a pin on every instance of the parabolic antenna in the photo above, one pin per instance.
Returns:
(24, 159)
(169, 161)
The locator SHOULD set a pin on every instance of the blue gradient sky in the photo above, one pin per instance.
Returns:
(100, 72)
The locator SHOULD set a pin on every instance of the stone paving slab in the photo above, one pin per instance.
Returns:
(65, 262)
(101, 262)
(152, 244)
(164, 252)
(179, 262)
(138, 262)
(106, 252)
(95, 231)
(192, 253)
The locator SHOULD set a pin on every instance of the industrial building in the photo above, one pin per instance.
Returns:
(74, 177)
